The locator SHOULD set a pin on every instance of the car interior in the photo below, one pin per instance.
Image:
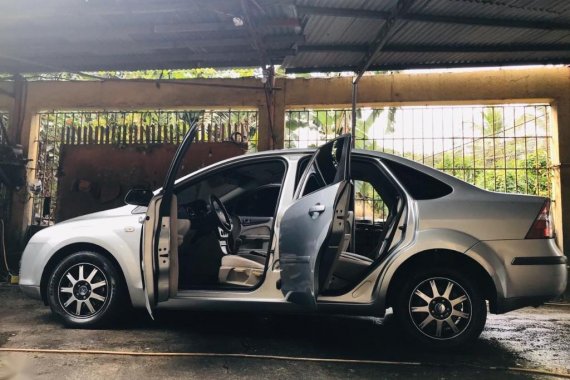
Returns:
(213, 255)
(373, 220)
(225, 224)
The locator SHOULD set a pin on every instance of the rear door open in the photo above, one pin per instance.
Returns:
(315, 229)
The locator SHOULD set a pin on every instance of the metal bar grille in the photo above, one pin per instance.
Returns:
(502, 148)
(127, 128)
(4, 116)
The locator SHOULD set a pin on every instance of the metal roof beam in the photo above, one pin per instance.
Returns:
(342, 12)
(435, 18)
(434, 65)
(151, 61)
(40, 67)
(437, 48)
(326, 48)
(469, 48)
(216, 26)
(386, 31)
(110, 46)
(483, 21)
(250, 24)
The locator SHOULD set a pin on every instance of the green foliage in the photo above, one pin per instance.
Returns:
(526, 176)
(368, 203)
(494, 155)
(151, 74)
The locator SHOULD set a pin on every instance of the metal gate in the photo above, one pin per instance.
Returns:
(503, 148)
(124, 128)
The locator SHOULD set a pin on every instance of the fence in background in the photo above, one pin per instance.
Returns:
(125, 128)
(500, 148)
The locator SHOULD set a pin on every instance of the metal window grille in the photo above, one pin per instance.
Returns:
(125, 128)
(4, 116)
(500, 148)
(368, 205)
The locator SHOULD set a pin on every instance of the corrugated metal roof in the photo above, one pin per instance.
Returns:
(438, 33)
(302, 35)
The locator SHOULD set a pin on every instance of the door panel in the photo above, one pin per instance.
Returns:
(147, 266)
(160, 270)
(255, 233)
(302, 235)
(339, 236)
(315, 229)
(173, 269)
(159, 255)
(247, 221)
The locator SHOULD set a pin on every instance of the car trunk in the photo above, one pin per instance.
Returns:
(484, 215)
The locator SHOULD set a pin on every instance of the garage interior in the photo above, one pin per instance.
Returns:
(80, 125)
(388, 38)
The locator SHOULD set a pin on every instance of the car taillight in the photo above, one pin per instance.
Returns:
(542, 226)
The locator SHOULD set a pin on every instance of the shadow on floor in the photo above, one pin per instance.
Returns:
(344, 337)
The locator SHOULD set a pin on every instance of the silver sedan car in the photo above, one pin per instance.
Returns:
(308, 231)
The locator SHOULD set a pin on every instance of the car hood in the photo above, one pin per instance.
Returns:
(98, 220)
(114, 212)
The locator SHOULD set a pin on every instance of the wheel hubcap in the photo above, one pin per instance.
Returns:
(83, 290)
(440, 308)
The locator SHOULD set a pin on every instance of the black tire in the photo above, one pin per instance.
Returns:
(100, 297)
(468, 317)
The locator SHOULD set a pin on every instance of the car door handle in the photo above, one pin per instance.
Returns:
(316, 210)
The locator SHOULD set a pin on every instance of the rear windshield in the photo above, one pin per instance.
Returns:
(418, 184)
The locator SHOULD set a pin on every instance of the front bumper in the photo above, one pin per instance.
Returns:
(31, 291)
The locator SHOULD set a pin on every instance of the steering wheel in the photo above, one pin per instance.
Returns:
(224, 219)
(234, 240)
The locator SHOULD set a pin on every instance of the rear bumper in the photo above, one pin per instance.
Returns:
(558, 263)
(525, 272)
(540, 260)
(504, 305)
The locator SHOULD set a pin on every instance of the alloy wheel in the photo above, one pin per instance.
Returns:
(83, 290)
(440, 308)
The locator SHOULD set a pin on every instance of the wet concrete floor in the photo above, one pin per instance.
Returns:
(528, 338)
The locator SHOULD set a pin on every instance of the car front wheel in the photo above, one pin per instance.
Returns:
(85, 290)
(441, 308)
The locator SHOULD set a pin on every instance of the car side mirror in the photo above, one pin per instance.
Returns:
(138, 197)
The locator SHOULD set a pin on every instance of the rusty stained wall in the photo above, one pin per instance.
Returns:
(97, 177)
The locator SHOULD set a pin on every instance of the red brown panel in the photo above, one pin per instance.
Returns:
(97, 177)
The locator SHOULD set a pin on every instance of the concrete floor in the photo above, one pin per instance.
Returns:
(529, 338)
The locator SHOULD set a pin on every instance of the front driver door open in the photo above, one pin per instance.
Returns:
(159, 250)
(314, 229)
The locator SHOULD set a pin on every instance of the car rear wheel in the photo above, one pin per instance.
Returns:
(85, 290)
(441, 308)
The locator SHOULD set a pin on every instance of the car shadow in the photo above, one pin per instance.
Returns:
(321, 336)
(316, 336)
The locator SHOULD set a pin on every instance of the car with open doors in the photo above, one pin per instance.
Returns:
(329, 230)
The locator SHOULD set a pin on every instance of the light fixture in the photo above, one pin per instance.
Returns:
(238, 22)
